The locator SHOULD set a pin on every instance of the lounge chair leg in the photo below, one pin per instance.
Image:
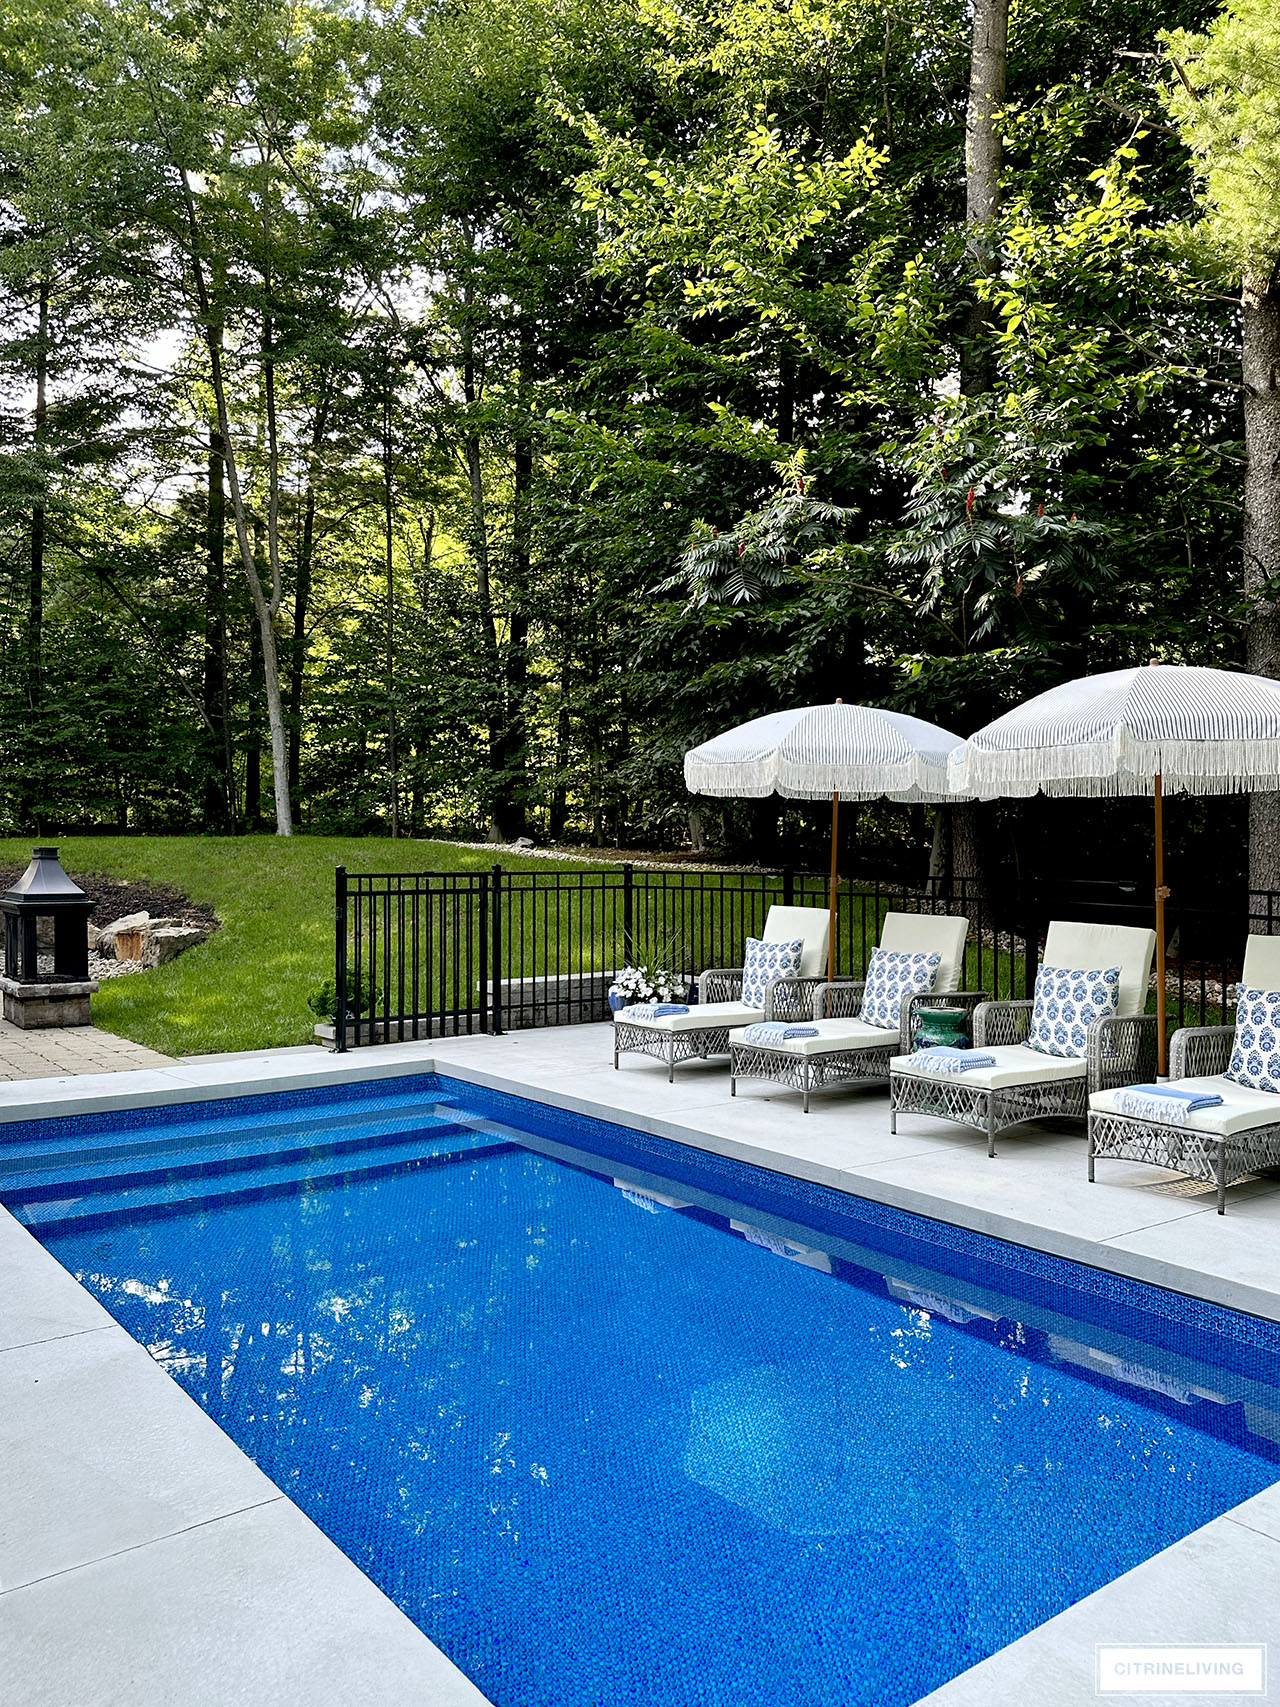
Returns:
(1220, 1168)
(805, 1103)
(1089, 1130)
(671, 1069)
(991, 1126)
(733, 1086)
(893, 1112)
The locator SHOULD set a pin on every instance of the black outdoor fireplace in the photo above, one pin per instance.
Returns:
(46, 915)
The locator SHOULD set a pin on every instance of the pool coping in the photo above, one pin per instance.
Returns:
(1216, 1585)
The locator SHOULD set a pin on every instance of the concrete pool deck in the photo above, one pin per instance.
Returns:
(144, 1548)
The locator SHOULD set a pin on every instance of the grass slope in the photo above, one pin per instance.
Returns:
(247, 987)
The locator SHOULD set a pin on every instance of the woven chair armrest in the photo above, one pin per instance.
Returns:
(1001, 1022)
(720, 984)
(841, 1000)
(792, 998)
(1121, 1051)
(1200, 1051)
(933, 999)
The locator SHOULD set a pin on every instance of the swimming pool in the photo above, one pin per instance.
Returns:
(615, 1420)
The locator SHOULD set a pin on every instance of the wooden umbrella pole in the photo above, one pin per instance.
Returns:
(831, 927)
(1162, 1043)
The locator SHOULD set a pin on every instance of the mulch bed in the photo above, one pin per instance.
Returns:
(114, 898)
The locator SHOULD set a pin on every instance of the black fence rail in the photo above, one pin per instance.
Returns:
(433, 954)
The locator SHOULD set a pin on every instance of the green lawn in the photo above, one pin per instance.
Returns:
(247, 987)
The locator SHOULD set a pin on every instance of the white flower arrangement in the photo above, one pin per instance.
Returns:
(648, 984)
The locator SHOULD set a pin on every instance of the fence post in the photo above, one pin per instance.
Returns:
(788, 887)
(495, 918)
(485, 988)
(628, 916)
(340, 961)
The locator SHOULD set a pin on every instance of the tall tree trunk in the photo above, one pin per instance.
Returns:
(302, 601)
(28, 808)
(1261, 373)
(558, 816)
(265, 607)
(219, 787)
(983, 156)
(253, 736)
(479, 531)
(35, 584)
(515, 732)
(389, 566)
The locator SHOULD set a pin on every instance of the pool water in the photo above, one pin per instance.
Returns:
(616, 1423)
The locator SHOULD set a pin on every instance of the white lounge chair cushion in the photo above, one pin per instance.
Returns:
(702, 1016)
(1015, 1065)
(812, 925)
(1241, 1107)
(1095, 947)
(1261, 963)
(929, 933)
(834, 1035)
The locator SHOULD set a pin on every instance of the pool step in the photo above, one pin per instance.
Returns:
(87, 1202)
(272, 1131)
(111, 1170)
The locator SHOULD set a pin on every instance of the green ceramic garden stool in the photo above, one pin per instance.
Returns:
(942, 1028)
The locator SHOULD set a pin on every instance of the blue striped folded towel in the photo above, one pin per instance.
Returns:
(653, 1010)
(945, 1059)
(776, 1031)
(1163, 1103)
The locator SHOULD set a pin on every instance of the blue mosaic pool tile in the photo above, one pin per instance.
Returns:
(897, 1231)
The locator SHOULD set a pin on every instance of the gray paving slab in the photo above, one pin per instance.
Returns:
(39, 1300)
(102, 1451)
(1241, 1250)
(257, 1609)
(1262, 1513)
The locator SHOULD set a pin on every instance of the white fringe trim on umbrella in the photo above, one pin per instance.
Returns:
(859, 752)
(1097, 769)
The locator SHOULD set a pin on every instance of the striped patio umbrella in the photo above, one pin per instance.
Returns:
(1162, 729)
(821, 752)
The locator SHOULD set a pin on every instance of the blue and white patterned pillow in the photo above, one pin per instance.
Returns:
(892, 974)
(1255, 1057)
(1067, 1003)
(767, 960)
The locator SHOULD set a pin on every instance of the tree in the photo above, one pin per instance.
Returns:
(256, 197)
(1225, 99)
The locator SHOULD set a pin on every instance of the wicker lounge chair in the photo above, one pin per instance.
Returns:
(704, 1030)
(1222, 1144)
(846, 1047)
(1025, 1084)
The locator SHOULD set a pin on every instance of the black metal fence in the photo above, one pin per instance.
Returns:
(430, 954)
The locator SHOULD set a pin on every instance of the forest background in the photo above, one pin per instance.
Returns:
(433, 419)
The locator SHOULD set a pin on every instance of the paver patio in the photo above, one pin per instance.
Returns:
(59, 1052)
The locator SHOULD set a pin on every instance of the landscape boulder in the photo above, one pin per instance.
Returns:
(164, 942)
(132, 927)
